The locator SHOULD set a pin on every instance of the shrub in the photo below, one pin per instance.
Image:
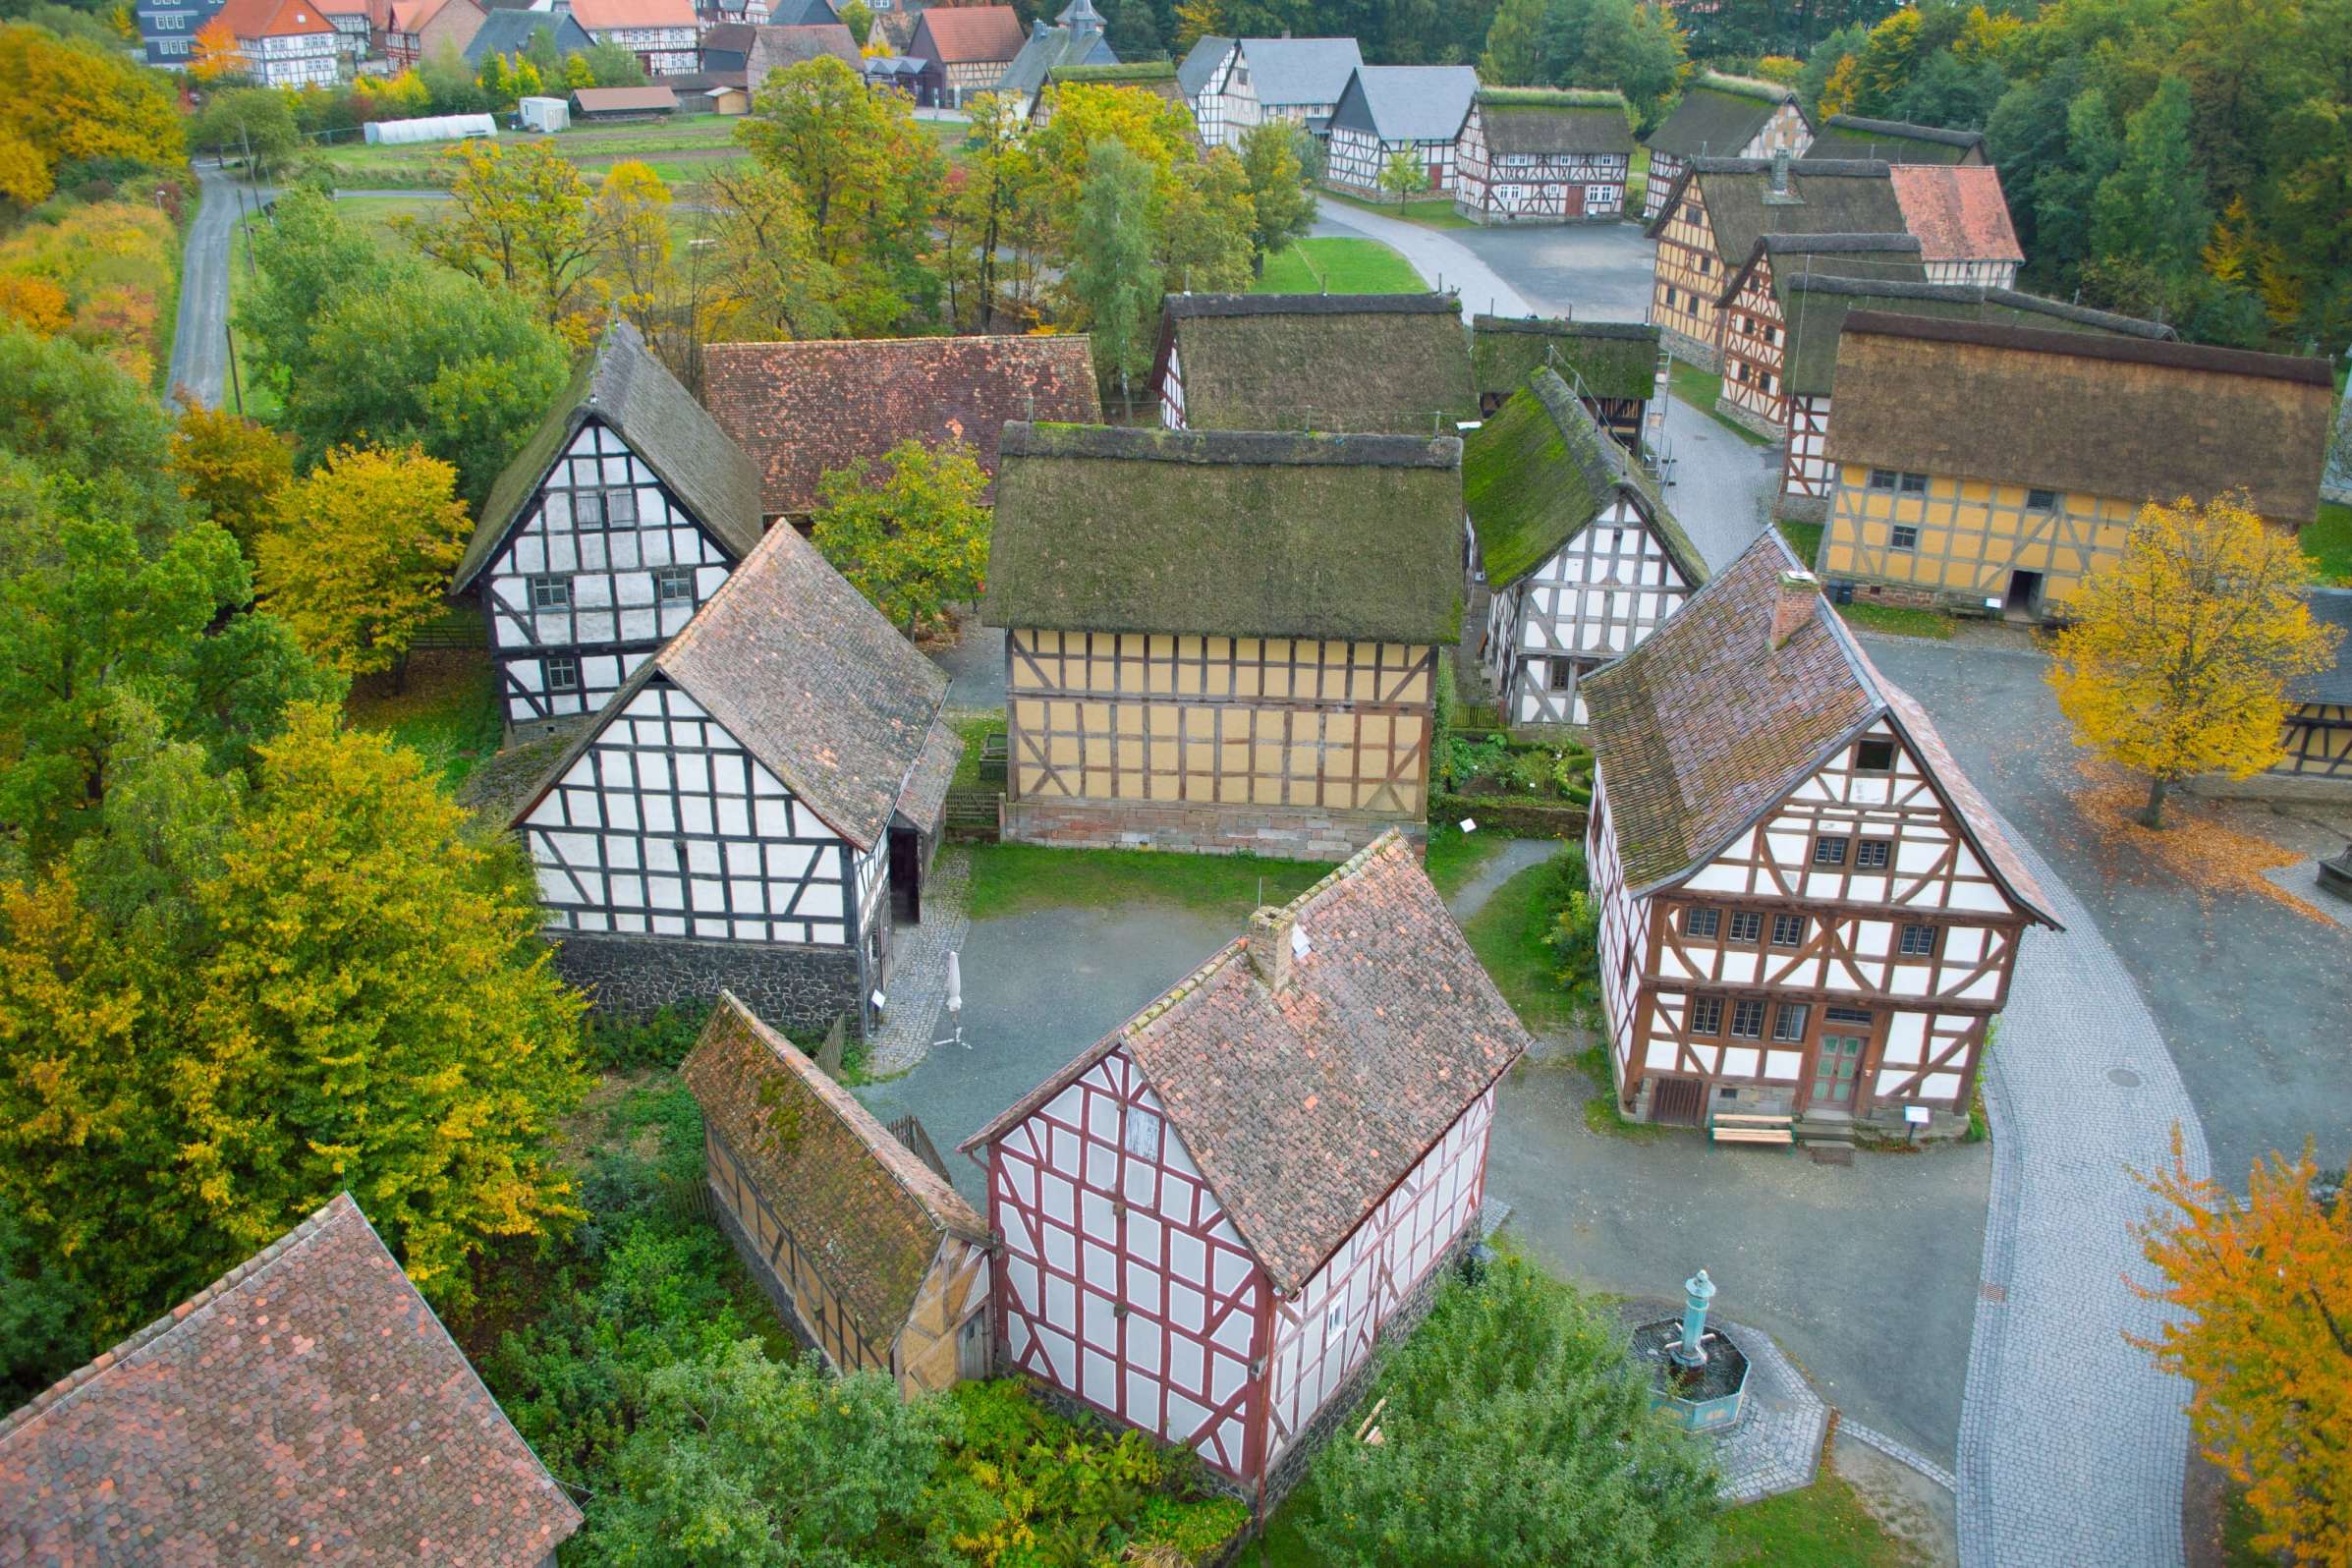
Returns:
(659, 1038)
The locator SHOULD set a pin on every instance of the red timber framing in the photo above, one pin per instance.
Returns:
(1807, 474)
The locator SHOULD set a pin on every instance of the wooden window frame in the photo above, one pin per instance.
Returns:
(1784, 923)
(2033, 504)
(1559, 675)
(1928, 943)
(1883, 478)
(1745, 1009)
(566, 667)
(1788, 1023)
(1702, 922)
(665, 578)
(1871, 746)
(1747, 925)
(1713, 1008)
(1821, 845)
(550, 591)
(1902, 536)
(1913, 484)
(1874, 854)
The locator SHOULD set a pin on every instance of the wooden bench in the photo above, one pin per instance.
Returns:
(1730, 1127)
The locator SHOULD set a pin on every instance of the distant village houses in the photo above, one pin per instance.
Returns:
(1416, 112)
(962, 50)
(1074, 40)
(1722, 117)
(1295, 81)
(283, 44)
(664, 35)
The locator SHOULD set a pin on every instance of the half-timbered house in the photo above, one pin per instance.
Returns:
(305, 1407)
(1806, 908)
(1961, 219)
(1722, 117)
(2318, 738)
(1297, 80)
(1574, 557)
(1754, 329)
(1612, 366)
(1383, 111)
(753, 809)
(1542, 155)
(1212, 1216)
(804, 410)
(623, 512)
(1198, 66)
(1180, 680)
(1388, 364)
(422, 29)
(964, 50)
(663, 34)
(1849, 135)
(283, 44)
(871, 1258)
(1993, 468)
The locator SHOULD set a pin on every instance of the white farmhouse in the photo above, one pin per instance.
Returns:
(282, 43)
(1294, 79)
(1387, 110)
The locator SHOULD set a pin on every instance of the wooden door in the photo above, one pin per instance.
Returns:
(1678, 1101)
(1571, 200)
(1837, 1068)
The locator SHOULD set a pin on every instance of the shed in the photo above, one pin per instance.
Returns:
(543, 114)
(624, 103)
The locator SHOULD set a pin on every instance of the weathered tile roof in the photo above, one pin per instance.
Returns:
(622, 384)
(1540, 470)
(1304, 1107)
(1814, 305)
(803, 409)
(307, 1407)
(970, 35)
(1893, 257)
(1393, 363)
(1244, 535)
(1407, 103)
(1823, 196)
(1299, 70)
(2330, 607)
(1719, 116)
(602, 16)
(625, 101)
(1705, 727)
(1545, 121)
(867, 1212)
(1847, 135)
(781, 48)
(2091, 413)
(1610, 359)
(1957, 210)
(1193, 72)
(271, 19)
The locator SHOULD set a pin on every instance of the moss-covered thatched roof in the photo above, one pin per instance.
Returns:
(1815, 307)
(1540, 469)
(1245, 535)
(1550, 120)
(1719, 116)
(1610, 359)
(1389, 363)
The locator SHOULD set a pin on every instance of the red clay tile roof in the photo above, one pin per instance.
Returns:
(802, 409)
(597, 16)
(1706, 726)
(972, 35)
(1304, 1107)
(274, 19)
(306, 1408)
(1956, 211)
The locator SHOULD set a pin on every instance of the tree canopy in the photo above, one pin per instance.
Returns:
(358, 554)
(914, 538)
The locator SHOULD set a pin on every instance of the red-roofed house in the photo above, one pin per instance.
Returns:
(1212, 1215)
(308, 1407)
(963, 49)
(284, 44)
(663, 33)
(420, 26)
(1961, 219)
(353, 22)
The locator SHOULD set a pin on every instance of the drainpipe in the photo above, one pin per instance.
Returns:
(1696, 1292)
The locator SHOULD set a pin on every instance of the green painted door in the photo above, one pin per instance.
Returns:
(1836, 1069)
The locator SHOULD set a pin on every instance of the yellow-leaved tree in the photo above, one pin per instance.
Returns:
(232, 467)
(215, 58)
(2263, 1288)
(2178, 657)
(522, 221)
(359, 553)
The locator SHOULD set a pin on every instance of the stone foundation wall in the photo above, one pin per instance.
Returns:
(1801, 509)
(1287, 832)
(1747, 419)
(798, 989)
(1688, 350)
(1917, 598)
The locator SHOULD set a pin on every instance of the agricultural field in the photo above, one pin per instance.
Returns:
(682, 151)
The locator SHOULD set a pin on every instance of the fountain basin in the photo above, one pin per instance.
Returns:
(1708, 1397)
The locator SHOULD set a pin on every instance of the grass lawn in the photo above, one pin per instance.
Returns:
(974, 729)
(1454, 857)
(1010, 878)
(1898, 620)
(2329, 541)
(1699, 389)
(1339, 266)
(1637, 183)
(1803, 537)
(1508, 933)
(1431, 212)
(1823, 1526)
(448, 715)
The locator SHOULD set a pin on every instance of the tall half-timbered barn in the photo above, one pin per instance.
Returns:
(1296, 81)
(1806, 907)
(1724, 117)
(1220, 641)
(1543, 155)
(871, 1258)
(1572, 552)
(1387, 110)
(2317, 738)
(1385, 363)
(1612, 366)
(624, 512)
(753, 809)
(1212, 1215)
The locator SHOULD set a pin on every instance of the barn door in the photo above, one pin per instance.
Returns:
(1677, 1102)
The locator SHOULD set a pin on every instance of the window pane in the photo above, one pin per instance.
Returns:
(1788, 930)
(1829, 852)
(1871, 854)
(1902, 536)
(1706, 1015)
(1745, 925)
(1789, 1023)
(1874, 757)
(1701, 922)
(1747, 1019)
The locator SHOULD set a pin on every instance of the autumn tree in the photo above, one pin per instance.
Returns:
(1282, 205)
(522, 220)
(74, 103)
(76, 415)
(1112, 279)
(635, 271)
(989, 215)
(2149, 218)
(858, 17)
(308, 262)
(772, 285)
(235, 120)
(1403, 177)
(215, 57)
(25, 177)
(231, 468)
(2258, 1300)
(913, 539)
(359, 555)
(2177, 658)
(613, 65)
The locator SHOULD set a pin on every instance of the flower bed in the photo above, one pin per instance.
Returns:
(1529, 789)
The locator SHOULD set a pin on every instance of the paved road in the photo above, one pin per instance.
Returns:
(200, 342)
(1594, 272)
(1441, 260)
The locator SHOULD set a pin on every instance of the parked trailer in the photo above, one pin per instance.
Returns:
(544, 114)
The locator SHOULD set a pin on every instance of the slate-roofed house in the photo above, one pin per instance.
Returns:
(1961, 219)
(508, 35)
(2318, 737)
(802, 13)
(1991, 467)
(421, 27)
(803, 409)
(167, 29)
(753, 809)
(780, 48)
(1574, 557)
(1180, 679)
(663, 34)
(964, 50)
(1156, 76)
(1543, 155)
(1612, 365)
(283, 44)
(305, 1407)
(1806, 908)
(1754, 330)
(1847, 135)
(1198, 66)
(1724, 117)
(1074, 39)
(869, 1255)
(1385, 110)
(624, 511)
(1397, 363)
(1256, 79)
(1213, 1216)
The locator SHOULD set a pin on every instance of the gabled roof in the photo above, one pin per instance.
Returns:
(1245, 535)
(970, 35)
(1540, 470)
(1393, 362)
(272, 19)
(1706, 727)
(625, 101)
(1891, 258)
(415, 15)
(1957, 211)
(802, 13)
(623, 384)
(1814, 305)
(1407, 103)
(509, 32)
(1200, 61)
(1847, 135)
(1296, 70)
(1049, 48)
(861, 1207)
(600, 16)
(1304, 1107)
(803, 409)
(305, 1407)
(2081, 412)
(1539, 121)
(2330, 607)
(727, 38)
(781, 48)
(1720, 116)
(1823, 196)
(1610, 359)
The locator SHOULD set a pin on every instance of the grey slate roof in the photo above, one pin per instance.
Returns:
(2330, 606)
(621, 382)
(1719, 116)
(1299, 70)
(1407, 103)
(509, 32)
(1193, 74)
(1050, 47)
(807, 14)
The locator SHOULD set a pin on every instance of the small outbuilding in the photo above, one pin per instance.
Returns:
(543, 114)
(624, 103)
(1612, 366)
(2318, 726)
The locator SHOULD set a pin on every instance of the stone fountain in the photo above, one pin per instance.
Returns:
(1698, 1376)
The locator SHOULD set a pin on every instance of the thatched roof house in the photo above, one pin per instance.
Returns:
(1848, 135)
(1611, 359)
(1394, 363)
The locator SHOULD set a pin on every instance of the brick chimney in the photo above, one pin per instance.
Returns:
(1274, 941)
(1792, 608)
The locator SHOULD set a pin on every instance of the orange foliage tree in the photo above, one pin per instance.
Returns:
(215, 57)
(2263, 1290)
(72, 102)
(232, 467)
(35, 304)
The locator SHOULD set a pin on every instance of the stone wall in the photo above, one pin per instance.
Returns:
(1689, 350)
(1747, 419)
(1286, 832)
(793, 988)
(1801, 509)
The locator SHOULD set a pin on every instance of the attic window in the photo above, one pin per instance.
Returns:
(1142, 1137)
(1874, 757)
(1299, 947)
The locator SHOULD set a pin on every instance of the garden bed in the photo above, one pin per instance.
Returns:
(1529, 789)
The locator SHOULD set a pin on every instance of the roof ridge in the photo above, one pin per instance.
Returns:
(1227, 448)
(2307, 369)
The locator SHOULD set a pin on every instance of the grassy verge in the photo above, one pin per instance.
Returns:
(2329, 541)
(1431, 212)
(167, 295)
(1699, 389)
(258, 400)
(1823, 1526)
(1602, 1114)
(1637, 183)
(1339, 266)
(1898, 620)
(1454, 857)
(1803, 537)
(1510, 932)
(1014, 878)
(973, 730)
(448, 715)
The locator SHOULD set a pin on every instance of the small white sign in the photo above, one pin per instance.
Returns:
(1299, 947)
(1470, 825)
(1918, 1116)
(881, 1002)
